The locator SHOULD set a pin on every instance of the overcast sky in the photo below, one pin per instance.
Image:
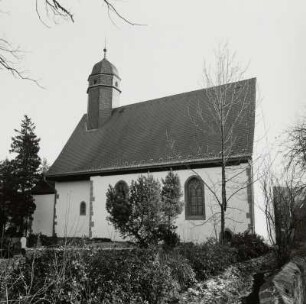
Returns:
(164, 57)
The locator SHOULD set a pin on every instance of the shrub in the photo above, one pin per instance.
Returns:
(44, 239)
(48, 240)
(6, 248)
(32, 240)
(54, 276)
(130, 275)
(88, 276)
(169, 237)
(147, 208)
(181, 270)
(137, 215)
(249, 246)
(100, 240)
(209, 258)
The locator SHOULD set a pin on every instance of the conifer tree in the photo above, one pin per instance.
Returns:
(24, 167)
(8, 192)
(171, 194)
(26, 145)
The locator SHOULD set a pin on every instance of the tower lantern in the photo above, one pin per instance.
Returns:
(103, 92)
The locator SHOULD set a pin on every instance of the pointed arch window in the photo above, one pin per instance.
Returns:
(194, 199)
(83, 208)
(122, 189)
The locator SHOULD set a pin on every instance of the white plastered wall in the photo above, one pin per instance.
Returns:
(69, 222)
(43, 215)
(238, 215)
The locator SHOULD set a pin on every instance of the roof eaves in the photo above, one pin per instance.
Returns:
(186, 162)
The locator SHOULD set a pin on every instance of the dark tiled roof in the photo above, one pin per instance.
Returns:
(171, 130)
(104, 67)
(43, 187)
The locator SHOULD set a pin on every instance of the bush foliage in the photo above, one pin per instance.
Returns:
(147, 212)
(209, 258)
(134, 276)
(181, 270)
(92, 275)
(249, 246)
(34, 240)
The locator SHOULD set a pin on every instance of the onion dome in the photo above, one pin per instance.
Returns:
(104, 67)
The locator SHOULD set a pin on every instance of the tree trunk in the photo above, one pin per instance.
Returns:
(222, 225)
(223, 181)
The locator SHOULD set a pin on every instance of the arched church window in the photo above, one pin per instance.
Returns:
(83, 208)
(122, 189)
(194, 199)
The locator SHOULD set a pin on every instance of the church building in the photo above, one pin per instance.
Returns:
(113, 145)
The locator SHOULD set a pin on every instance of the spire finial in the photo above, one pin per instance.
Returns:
(105, 49)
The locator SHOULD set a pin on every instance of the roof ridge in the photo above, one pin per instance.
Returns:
(142, 103)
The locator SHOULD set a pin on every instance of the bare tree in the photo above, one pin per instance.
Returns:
(284, 193)
(296, 149)
(284, 198)
(46, 10)
(229, 105)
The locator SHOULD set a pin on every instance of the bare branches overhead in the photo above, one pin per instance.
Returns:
(10, 56)
(297, 150)
(47, 11)
(55, 10)
(112, 9)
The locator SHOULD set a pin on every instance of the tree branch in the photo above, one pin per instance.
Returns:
(8, 61)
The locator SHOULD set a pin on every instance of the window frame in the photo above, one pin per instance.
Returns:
(83, 208)
(187, 201)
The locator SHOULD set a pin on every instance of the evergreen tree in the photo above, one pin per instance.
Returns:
(43, 169)
(24, 173)
(26, 145)
(8, 192)
(171, 194)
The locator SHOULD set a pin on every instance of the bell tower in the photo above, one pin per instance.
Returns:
(103, 93)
